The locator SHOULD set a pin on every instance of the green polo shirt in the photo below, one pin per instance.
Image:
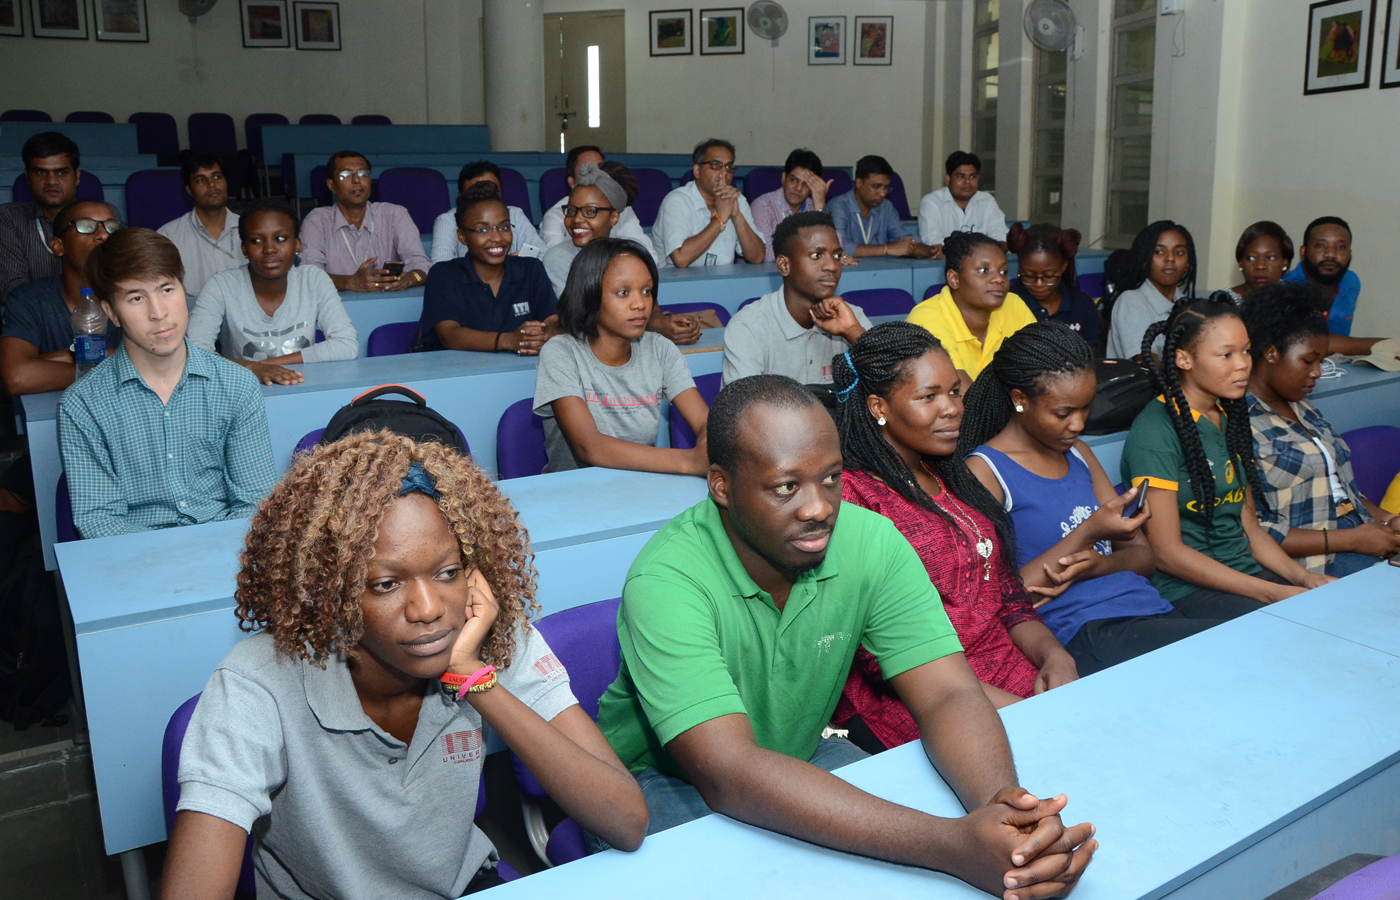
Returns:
(1153, 454)
(700, 640)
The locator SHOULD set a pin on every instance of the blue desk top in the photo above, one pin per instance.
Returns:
(93, 138)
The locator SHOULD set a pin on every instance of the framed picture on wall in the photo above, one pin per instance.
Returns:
(721, 31)
(872, 41)
(265, 23)
(1390, 47)
(59, 19)
(1339, 45)
(120, 20)
(11, 23)
(826, 40)
(317, 25)
(670, 32)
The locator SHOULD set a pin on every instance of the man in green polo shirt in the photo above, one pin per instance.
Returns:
(738, 624)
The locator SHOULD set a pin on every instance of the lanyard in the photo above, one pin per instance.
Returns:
(353, 258)
(204, 233)
(43, 239)
(864, 230)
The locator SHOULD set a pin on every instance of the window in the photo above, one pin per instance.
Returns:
(1048, 153)
(1130, 119)
(986, 56)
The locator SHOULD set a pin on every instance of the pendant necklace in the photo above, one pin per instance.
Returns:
(983, 544)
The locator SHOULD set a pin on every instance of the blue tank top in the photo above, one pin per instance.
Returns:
(1045, 510)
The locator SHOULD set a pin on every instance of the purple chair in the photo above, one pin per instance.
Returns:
(170, 747)
(935, 289)
(748, 301)
(687, 176)
(554, 187)
(89, 188)
(881, 301)
(63, 512)
(1092, 284)
(514, 191)
(898, 197)
(520, 441)
(371, 119)
(652, 187)
(682, 438)
(212, 133)
(840, 182)
(308, 440)
(154, 197)
(1378, 881)
(423, 192)
(25, 115)
(762, 180)
(1375, 458)
(585, 641)
(392, 339)
(319, 119)
(98, 118)
(155, 133)
(680, 309)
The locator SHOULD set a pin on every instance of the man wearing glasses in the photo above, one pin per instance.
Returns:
(206, 236)
(707, 222)
(356, 241)
(51, 172)
(35, 348)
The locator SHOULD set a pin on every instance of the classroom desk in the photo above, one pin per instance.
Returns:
(153, 612)
(1226, 765)
(94, 139)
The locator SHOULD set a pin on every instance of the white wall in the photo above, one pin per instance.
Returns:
(204, 67)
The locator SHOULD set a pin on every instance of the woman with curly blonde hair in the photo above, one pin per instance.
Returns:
(389, 585)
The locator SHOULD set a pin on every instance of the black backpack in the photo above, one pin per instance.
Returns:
(1124, 389)
(413, 419)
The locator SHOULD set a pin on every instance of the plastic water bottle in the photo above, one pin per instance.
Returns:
(89, 333)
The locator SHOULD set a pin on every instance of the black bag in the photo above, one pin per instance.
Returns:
(1124, 389)
(34, 682)
(414, 420)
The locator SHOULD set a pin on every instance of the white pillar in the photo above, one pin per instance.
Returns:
(514, 57)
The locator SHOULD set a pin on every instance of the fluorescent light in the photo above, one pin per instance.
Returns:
(595, 104)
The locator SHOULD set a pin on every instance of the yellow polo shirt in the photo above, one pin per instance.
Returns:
(940, 315)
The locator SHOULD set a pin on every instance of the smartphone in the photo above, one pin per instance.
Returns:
(1135, 505)
(394, 268)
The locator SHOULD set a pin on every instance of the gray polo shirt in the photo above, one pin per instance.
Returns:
(338, 806)
(764, 339)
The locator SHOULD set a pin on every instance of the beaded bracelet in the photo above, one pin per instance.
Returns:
(482, 686)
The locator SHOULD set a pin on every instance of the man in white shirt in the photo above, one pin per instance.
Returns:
(707, 222)
(960, 206)
(206, 236)
(552, 230)
(524, 241)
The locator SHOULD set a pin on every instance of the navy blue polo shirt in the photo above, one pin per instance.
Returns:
(1077, 310)
(37, 313)
(456, 293)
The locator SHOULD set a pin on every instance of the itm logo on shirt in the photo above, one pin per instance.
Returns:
(461, 746)
(549, 667)
(522, 308)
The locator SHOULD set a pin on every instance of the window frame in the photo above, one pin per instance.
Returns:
(1138, 21)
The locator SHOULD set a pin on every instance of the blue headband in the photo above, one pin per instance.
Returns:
(418, 480)
(841, 394)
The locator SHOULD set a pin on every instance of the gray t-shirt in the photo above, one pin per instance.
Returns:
(764, 339)
(1133, 312)
(338, 806)
(228, 310)
(625, 401)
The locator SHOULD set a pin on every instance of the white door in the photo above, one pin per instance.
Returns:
(585, 81)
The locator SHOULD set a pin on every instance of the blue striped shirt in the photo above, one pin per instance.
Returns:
(134, 463)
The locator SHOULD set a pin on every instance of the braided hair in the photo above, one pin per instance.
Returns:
(875, 364)
(1181, 329)
(1282, 314)
(1025, 361)
(1139, 262)
(1062, 243)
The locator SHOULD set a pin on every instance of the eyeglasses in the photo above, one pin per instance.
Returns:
(346, 174)
(487, 229)
(589, 212)
(86, 225)
(715, 165)
(1041, 279)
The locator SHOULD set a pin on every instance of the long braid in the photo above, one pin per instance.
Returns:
(875, 364)
(1024, 362)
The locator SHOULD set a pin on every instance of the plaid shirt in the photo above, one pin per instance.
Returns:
(134, 463)
(1294, 472)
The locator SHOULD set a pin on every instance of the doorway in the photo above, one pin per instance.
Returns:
(585, 81)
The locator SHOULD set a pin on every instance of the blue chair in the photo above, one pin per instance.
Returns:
(371, 119)
(1092, 284)
(155, 133)
(881, 301)
(935, 289)
(63, 512)
(423, 192)
(89, 188)
(319, 119)
(554, 187)
(98, 118)
(898, 197)
(762, 180)
(212, 133)
(584, 639)
(514, 191)
(1375, 458)
(840, 182)
(25, 115)
(154, 197)
(680, 309)
(520, 449)
(652, 187)
(682, 438)
(392, 339)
